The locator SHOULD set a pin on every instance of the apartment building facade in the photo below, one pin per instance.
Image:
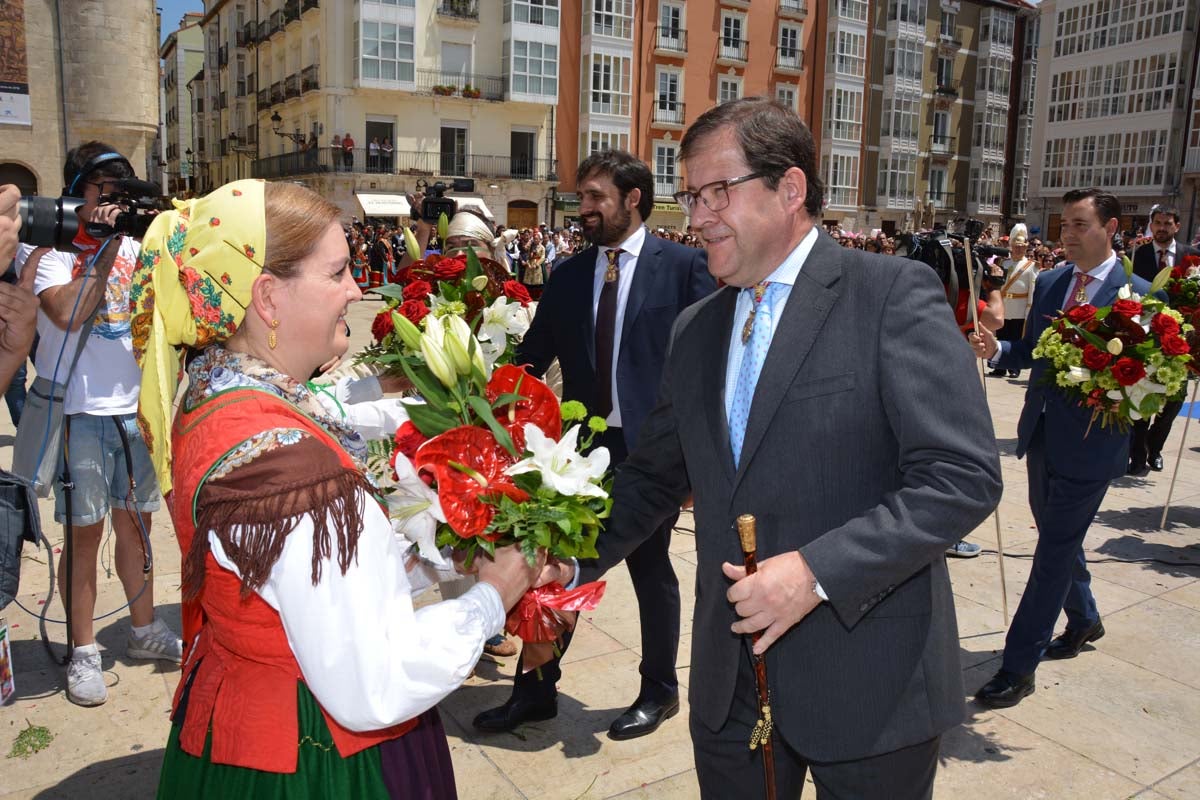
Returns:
(426, 90)
(182, 55)
(1113, 101)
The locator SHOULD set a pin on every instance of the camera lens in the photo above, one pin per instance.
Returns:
(49, 221)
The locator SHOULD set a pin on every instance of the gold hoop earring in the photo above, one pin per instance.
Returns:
(272, 340)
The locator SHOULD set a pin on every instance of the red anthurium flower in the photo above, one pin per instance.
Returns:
(538, 404)
(469, 465)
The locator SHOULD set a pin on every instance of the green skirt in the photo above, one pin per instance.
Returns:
(321, 772)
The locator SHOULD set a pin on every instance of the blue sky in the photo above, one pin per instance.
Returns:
(173, 11)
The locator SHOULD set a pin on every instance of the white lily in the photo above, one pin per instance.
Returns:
(1078, 374)
(1137, 393)
(562, 468)
(1126, 292)
(500, 320)
(414, 511)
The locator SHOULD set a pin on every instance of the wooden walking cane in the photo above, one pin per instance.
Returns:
(762, 729)
(974, 304)
(1162, 523)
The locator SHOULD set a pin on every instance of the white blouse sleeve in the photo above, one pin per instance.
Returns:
(360, 402)
(367, 655)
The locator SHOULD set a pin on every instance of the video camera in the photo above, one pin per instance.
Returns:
(436, 203)
(54, 221)
(945, 253)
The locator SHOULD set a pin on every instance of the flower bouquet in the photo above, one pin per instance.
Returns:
(1123, 361)
(504, 457)
(1183, 295)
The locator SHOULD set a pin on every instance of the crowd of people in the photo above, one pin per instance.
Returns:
(711, 375)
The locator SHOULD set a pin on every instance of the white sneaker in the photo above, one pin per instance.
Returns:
(85, 680)
(160, 643)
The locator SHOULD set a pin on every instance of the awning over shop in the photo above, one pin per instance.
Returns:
(382, 205)
(566, 201)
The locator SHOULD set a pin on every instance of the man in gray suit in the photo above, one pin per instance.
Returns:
(829, 393)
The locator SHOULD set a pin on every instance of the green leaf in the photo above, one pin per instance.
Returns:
(430, 422)
(1127, 265)
(426, 385)
(1089, 337)
(449, 291)
(391, 290)
(480, 406)
(474, 269)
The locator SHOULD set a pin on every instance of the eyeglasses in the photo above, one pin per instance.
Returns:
(715, 195)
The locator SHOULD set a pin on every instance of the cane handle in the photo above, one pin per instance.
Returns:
(746, 532)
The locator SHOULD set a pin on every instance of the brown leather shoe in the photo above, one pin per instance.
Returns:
(506, 649)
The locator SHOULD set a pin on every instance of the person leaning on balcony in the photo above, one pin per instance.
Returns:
(335, 147)
(348, 151)
(387, 150)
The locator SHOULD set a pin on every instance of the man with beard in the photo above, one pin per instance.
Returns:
(606, 315)
(1147, 438)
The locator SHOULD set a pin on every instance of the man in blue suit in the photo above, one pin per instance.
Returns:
(606, 315)
(1069, 460)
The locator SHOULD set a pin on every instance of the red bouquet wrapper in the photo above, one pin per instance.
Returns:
(539, 616)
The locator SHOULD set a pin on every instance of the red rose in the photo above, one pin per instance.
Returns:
(515, 290)
(382, 325)
(1128, 371)
(1082, 313)
(414, 311)
(1175, 346)
(1127, 308)
(450, 269)
(1178, 273)
(417, 290)
(1164, 325)
(1095, 358)
(408, 439)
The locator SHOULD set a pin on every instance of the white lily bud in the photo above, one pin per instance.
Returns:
(1115, 346)
(479, 282)
(437, 362)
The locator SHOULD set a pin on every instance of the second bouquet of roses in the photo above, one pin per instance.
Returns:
(1123, 361)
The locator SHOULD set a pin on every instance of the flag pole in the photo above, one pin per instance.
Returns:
(1162, 523)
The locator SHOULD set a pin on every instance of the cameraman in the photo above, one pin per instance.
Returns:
(101, 434)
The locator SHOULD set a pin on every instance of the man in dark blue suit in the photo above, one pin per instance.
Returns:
(606, 315)
(1070, 461)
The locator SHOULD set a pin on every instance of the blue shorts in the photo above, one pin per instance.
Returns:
(100, 473)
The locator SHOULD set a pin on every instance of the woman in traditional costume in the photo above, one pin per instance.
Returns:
(307, 673)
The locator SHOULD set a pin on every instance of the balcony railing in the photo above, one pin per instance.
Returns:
(277, 95)
(670, 40)
(665, 186)
(667, 112)
(291, 11)
(790, 58)
(291, 86)
(940, 199)
(240, 88)
(400, 162)
(949, 42)
(239, 38)
(264, 30)
(249, 34)
(448, 84)
(733, 49)
(309, 78)
(263, 98)
(277, 22)
(947, 89)
(223, 55)
(793, 8)
(940, 144)
(458, 9)
(251, 83)
(223, 100)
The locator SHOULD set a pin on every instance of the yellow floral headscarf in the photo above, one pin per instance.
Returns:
(191, 288)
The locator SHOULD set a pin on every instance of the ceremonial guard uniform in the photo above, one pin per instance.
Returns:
(1020, 272)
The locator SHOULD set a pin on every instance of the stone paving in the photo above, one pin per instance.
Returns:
(1121, 720)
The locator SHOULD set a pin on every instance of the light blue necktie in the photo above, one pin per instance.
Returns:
(756, 339)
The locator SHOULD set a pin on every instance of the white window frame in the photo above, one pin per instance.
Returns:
(724, 82)
(788, 94)
(666, 168)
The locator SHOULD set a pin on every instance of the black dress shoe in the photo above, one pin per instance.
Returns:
(998, 373)
(1068, 643)
(1156, 463)
(513, 713)
(1005, 690)
(643, 717)
(1137, 470)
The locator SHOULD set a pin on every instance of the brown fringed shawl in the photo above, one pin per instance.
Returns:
(265, 498)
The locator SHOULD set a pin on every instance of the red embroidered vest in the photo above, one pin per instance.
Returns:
(244, 687)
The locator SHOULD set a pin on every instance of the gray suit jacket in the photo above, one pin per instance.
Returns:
(869, 448)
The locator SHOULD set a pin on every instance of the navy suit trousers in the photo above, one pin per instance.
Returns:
(1063, 509)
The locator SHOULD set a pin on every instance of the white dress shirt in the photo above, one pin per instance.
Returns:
(626, 263)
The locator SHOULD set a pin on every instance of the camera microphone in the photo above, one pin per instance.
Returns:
(138, 188)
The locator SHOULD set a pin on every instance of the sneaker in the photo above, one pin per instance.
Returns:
(160, 643)
(85, 680)
(503, 648)
(963, 549)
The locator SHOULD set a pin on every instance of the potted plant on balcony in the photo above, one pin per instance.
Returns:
(471, 92)
(444, 91)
